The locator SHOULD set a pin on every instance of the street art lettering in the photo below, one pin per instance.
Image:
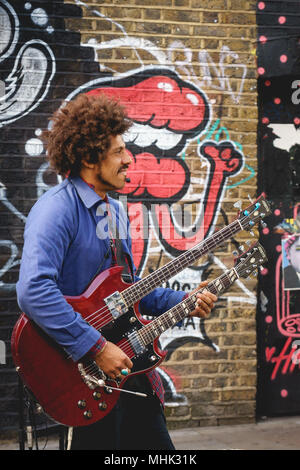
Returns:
(214, 74)
(287, 359)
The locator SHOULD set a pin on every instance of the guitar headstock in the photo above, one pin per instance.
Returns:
(259, 209)
(249, 261)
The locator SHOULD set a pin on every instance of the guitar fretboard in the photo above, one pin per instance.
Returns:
(150, 332)
(138, 290)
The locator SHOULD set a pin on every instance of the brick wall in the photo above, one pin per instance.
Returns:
(202, 47)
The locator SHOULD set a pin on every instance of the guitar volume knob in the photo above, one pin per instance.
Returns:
(102, 405)
(87, 414)
(96, 395)
(81, 403)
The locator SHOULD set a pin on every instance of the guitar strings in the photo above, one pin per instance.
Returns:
(146, 332)
(104, 311)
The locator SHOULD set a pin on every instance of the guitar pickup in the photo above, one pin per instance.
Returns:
(136, 343)
(116, 304)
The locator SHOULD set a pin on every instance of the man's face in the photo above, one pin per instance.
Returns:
(111, 171)
(295, 255)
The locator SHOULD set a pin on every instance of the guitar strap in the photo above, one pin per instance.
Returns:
(119, 256)
(123, 259)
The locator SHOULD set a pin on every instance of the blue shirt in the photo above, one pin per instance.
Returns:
(66, 239)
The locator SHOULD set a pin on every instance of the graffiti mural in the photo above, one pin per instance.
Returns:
(278, 309)
(173, 118)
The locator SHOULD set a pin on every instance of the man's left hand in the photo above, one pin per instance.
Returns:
(205, 301)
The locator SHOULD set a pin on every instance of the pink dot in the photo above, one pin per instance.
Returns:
(297, 120)
(266, 231)
(277, 100)
(264, 272)
(263, 39)
(278, 248)
(265, 120)
(277, 212)
(281, 19)
(284, 393)
(269, 319)
(267, 83)
(283, 58)
(261, 5)
(261, 70)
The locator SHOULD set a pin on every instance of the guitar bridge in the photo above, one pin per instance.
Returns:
(94, 379)
(116, 304)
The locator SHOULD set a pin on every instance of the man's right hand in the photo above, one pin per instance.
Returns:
(111, 360)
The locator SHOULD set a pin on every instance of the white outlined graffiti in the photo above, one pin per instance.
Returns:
(35, 64)
(34, 67)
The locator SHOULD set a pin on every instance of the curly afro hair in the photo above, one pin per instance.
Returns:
(81, 130)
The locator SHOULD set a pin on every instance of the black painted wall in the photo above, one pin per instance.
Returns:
(278, 311)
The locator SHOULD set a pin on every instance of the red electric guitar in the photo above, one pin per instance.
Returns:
(70, 392)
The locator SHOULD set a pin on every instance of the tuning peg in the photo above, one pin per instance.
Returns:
(238, 205)
(248, 242)
(252, 233)
(241, 248)
(235, 253)
(263, 224)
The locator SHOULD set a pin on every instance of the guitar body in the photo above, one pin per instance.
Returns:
(55, 379)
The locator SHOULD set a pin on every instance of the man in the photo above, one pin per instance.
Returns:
(67, 243)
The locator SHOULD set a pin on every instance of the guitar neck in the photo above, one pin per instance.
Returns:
(156, 327)
(141, 288)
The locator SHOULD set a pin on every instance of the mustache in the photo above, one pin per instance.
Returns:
(122, 168)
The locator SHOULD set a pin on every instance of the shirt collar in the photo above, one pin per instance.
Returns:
(88, 196)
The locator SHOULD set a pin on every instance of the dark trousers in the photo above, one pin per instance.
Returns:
(135, 423)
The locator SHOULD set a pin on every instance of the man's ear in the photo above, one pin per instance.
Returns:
(87, 165)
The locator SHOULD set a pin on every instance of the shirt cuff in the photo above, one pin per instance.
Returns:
(98, 347)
